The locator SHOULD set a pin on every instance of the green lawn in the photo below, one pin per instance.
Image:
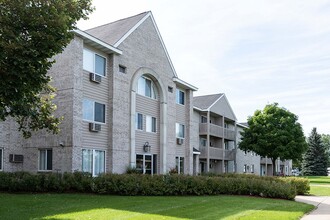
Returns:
(81, 206)
(320, 185)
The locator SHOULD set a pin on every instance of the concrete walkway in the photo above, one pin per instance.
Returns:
(322, 209)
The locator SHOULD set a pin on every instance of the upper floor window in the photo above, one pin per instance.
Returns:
(179, 130)
(146, 87)
(203, 119)
(150, 124)
(139, 121)
(45, 159)
(203, 142)
(94, 63)
(1, 158)
(93, 111)
(180, 97)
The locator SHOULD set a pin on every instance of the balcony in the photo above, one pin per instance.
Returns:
(217, 131)
(218, 153)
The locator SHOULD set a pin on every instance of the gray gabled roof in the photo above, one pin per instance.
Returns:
(113, 32)
(204, 102)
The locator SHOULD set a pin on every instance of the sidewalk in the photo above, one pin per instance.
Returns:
(322, 209)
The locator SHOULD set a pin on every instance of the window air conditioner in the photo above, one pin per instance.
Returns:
(94, 127)
(179, 141)
(95, 78)
(16, 158)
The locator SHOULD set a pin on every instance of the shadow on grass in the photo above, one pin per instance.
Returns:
(82, 206)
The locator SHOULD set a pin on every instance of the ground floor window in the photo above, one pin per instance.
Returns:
(1, 158)
(146, 163)
(93, 161)
(45, 159)
(179, 164)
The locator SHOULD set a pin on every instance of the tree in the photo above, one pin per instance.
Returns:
(31, 33)
(275, 133)
(315, 159)
(326, 143)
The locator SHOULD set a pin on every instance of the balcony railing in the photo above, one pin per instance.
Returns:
(218, 153)
(217, 131)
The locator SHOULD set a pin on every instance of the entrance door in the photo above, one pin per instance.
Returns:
(146, 163)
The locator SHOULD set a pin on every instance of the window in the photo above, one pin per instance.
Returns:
(146, 87)
(203, 142)
(203, 119)
(93, 111)
(179, 130)
(179, 164)
(146, 163)
(139, 121)
(179, 97)
(226, 145)
(150, 124)
(93, 161)
(45, 159)
(1, 159)
(122, 69)
(94, 63)
(245, 168)
(252, 168)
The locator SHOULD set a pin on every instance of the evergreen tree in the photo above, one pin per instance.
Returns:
(315, 158)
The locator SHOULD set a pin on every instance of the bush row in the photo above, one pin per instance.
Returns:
(156, 185)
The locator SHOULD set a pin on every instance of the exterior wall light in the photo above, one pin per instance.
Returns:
(146, 147)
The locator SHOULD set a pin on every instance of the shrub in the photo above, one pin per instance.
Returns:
(156, 185)
(300, 184)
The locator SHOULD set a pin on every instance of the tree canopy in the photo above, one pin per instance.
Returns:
(315, 159)
(31, 33)
(275, 133)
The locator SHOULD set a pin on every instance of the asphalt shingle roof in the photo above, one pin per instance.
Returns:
(114, 31)
(204, 102)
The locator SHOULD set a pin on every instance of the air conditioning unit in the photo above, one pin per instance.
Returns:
(179, 141)
(16, 158)
(94, 127)
(95, 78)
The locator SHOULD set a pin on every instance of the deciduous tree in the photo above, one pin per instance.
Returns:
(275, 133)
(31, 33)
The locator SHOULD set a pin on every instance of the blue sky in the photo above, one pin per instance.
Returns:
(256, 52)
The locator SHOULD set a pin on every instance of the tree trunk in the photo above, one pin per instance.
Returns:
(274, 166)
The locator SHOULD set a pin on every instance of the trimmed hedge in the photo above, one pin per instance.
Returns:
(299, 183)
(156, 185)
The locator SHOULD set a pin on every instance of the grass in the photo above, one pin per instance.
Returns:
(82, 206)
(320, 185)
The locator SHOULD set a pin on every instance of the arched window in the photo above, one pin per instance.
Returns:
(146, 87)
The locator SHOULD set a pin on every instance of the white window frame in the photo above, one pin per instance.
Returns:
(252, 168)
(93, 163)
(178, 97)
(178, 126)
(178, 164)
(143, 169)
(94, 66)
(245, 168)
(93, 112)
(46, 158)
(137, 125)
(1, 159)
(142, 91)
(151, 124)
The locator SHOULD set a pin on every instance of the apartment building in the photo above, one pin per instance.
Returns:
(125, 106)
(216, 134)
